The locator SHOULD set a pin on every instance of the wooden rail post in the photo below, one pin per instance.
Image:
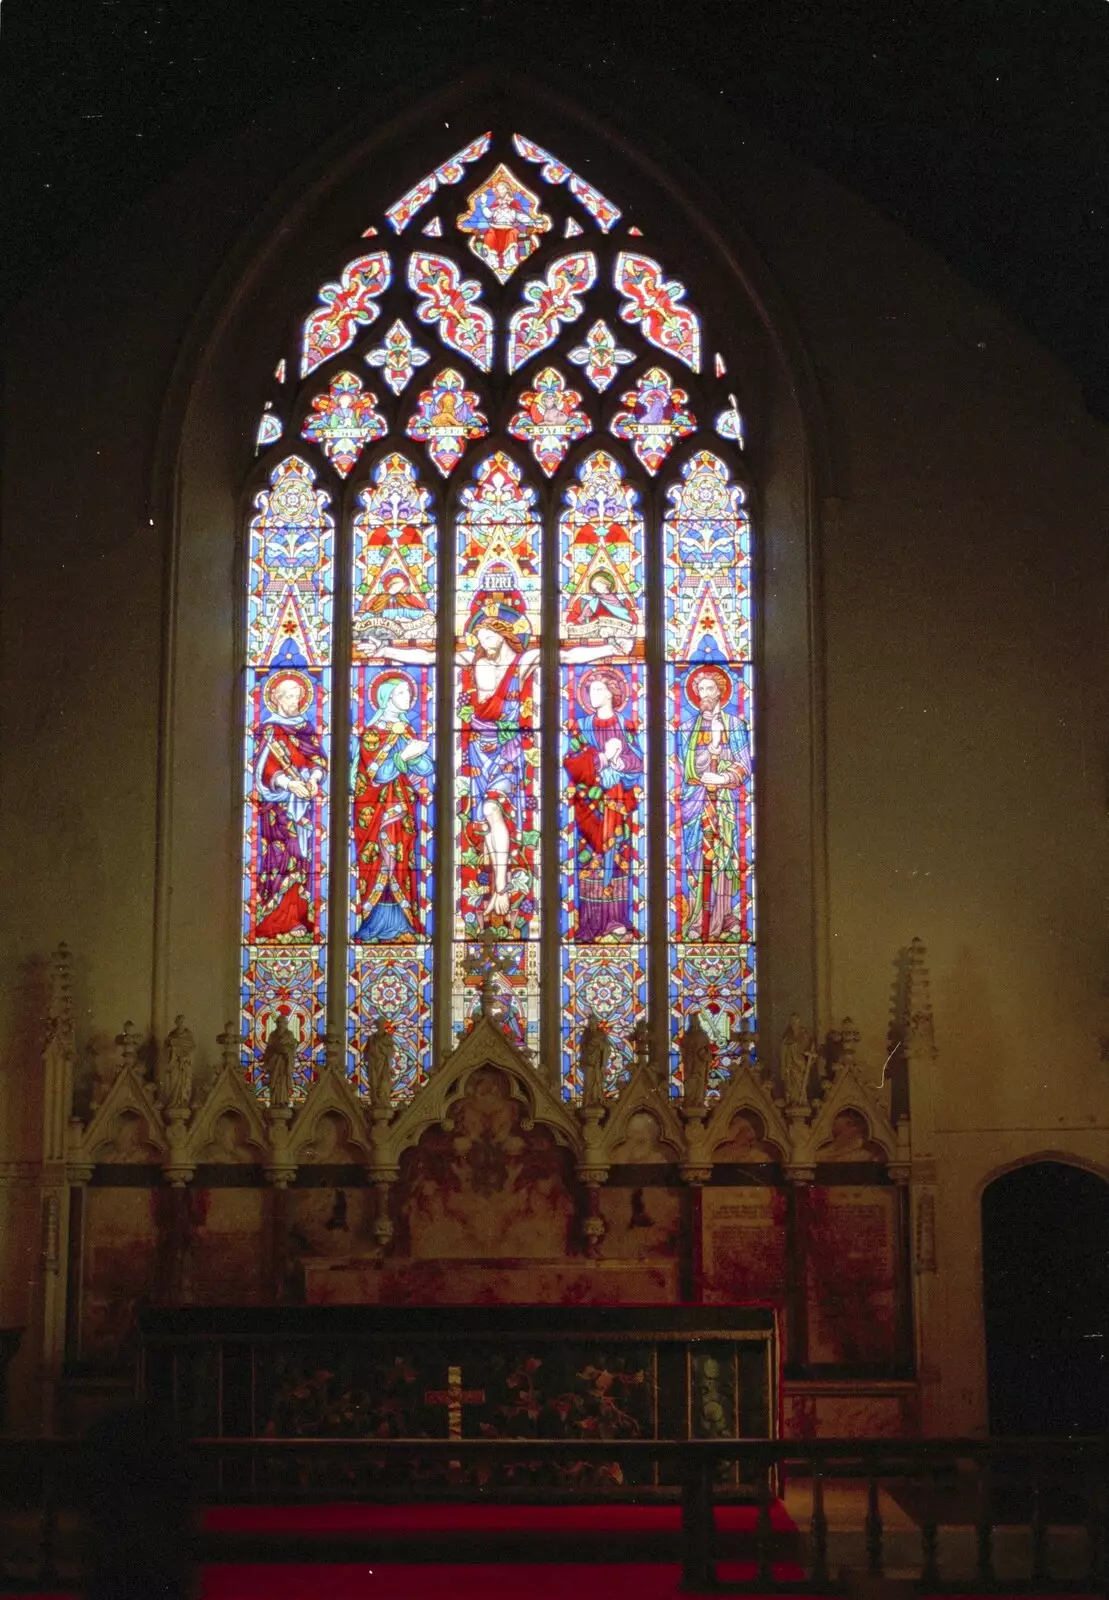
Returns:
(698, 1524)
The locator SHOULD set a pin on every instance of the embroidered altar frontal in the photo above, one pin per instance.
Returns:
(484, 1372)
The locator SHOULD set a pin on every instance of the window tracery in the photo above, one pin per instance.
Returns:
(535, 592)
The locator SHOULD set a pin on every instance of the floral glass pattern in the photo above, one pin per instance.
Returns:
(449, 303)
(287, 753)
(549, 303)
(450, 171)
(600, 356)
(546, 648)
(398, 357)
(602, 210)
(345, 307)
(653, 304)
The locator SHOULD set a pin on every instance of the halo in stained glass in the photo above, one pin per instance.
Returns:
(395, 571)
(498, 609)
(286, 842)
(657, 417)
(503, 222)
(345, 419)
(600, 355)
(398, 356)
(550, 419)
(601, 539)
(446, 417)
(466, 798)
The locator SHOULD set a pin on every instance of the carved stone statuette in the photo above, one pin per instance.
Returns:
(279, 1062)
(696, 1052)
(596, 1048)
(377, 1062)
(798, 1055)
(641, 1043)
(128, 1042)
(177, 1075)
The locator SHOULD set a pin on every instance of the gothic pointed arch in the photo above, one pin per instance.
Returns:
(512, 402)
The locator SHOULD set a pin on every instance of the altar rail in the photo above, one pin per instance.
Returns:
(1040, 1486)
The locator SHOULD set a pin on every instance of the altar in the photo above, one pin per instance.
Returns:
(442, 1373)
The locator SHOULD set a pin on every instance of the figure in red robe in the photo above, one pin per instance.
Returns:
(289, 772)
(393, 766)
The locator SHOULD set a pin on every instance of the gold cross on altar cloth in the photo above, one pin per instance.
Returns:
(454, 1397)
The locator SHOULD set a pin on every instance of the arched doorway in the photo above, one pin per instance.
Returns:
(1045, 1264)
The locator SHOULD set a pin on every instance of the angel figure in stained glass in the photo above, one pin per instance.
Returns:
(604, 762)
(601, 610)
(716, 763)
(393, 766)
(396, 612)
(289, 773)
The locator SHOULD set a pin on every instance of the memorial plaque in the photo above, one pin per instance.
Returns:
(744, 1232)
(223, 1263)
(120, 1243)
(850, 1267)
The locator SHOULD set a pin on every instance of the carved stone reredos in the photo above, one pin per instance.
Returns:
(484, 1046)
(332, 1092)
(850, 1091)
(129, 1092)
(643, 1092)
(229, 1092)
(747, 1091)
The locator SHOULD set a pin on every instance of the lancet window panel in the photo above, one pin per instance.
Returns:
(499, 687)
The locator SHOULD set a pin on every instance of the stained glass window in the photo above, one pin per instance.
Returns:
(290, 560)
(533, 766)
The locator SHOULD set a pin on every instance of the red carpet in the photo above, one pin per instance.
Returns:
(382, 1581)
(461, 1517)
(475, 1582)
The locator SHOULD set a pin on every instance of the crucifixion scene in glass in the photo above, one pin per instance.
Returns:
(499, 682)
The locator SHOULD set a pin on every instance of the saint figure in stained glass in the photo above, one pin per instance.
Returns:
(394, 764)
(604, 763)
(627, 608)
(504, 222)
(550, 418)
(446, 416)
(716, 763)
(289, 772)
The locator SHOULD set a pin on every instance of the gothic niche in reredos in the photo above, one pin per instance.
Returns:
(486, 1182)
